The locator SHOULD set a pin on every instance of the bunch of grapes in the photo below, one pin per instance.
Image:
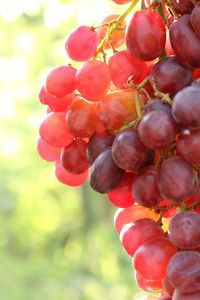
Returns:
(129, 116)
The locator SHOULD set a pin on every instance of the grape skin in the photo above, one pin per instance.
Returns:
(194, 18)
(184, 230)
(180, 296)
(183, 271)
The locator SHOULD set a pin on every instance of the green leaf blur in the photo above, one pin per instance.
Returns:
(56, 242)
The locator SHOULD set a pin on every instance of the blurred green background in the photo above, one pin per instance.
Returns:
(56, 242)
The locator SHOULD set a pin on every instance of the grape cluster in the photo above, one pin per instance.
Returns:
(129, 116)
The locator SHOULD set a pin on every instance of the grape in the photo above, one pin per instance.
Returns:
(53, 130)
(93, 80)
(152, 257)
(188, 145)
(182, 6)
(46, 151)
(170, 75)
(180, 296)
(169, 288)
(121, 196)
(134, 234)
(147, 195)
(122, 66)
(194, 198)
(117, 37)
(127, 150)
(73, 157)
(171, 211)
(154, 286)
(184, 230)
(61, 81)
(176, 179)
(146, 36)
(157, 129)
(117, 108)
(185, 42)
(56, 104)
(130, 214)
(183, 271)
(121, 1)
(186, 108)
(81, 117)
(194, 18)
(81, 43)
(97, 144)
(68, 178)
(156, 104)
(105, 174)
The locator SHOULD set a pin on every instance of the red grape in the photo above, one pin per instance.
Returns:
(154, 286)
(61, 81)
(146, 36)
(181, 296)
(147, 195)
(53, 130)
(183, 271)
(117, 108)
(134, 234)
(123, 66)
(105, 174)
(81, 117)
(73, 157)
(185, 42)
(184, 230)
(81, 43)
(195, 19)
(121, 196)
(130, 214)
(152, 257)
(68, 178)
(182, 6)
(93, 80)
(157, 129)
(188, 145)
(176, 179)
(127, 150)
(169, 288)
(186, 108)
(170, 75)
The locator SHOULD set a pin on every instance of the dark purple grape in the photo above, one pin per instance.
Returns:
(170, 75)
(127, 150)
(184, 271)
(105, 174)
(184, 230)
(186, 107)
(185, 42)
(156, 104)
(176, 179)
(97, 144)
(195, 19)
(73, 157)
(181, 296)
(182, 6)
(157, 129)
(146, 194)
(188, 145)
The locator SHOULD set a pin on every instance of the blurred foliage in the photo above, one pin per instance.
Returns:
(56, 242)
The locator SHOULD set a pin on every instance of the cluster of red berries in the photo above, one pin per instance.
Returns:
(131, 118)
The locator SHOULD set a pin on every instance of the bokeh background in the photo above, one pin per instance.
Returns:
(56, 242)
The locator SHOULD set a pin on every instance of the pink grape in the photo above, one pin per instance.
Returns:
(81, 43)
(46, 151)
(134, 234)
(152, 257)
(53, 130)
(61, 81)
(93, 80)
(68, 178)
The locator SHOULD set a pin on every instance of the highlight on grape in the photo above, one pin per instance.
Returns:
(128, 120)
